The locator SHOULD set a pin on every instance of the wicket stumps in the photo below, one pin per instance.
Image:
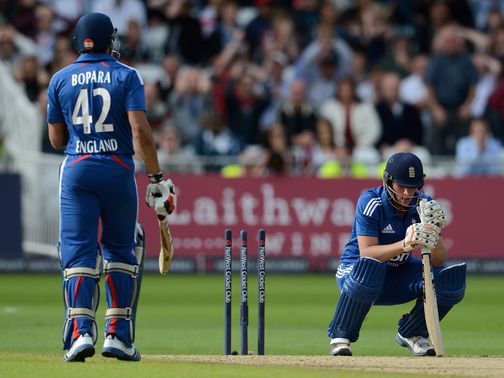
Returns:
(244, 292)
(261, 290)
(228, 275)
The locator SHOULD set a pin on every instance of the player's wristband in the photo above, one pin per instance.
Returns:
(154, 178)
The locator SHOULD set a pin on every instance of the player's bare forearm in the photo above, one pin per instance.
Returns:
(369, 247)
(147, 149)
(439, 253)
(58, 135)
(144, 140)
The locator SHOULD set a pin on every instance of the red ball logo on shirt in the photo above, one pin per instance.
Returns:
(88, 44)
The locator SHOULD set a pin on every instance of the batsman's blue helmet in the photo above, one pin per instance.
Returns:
(94, 32)
(405, 169)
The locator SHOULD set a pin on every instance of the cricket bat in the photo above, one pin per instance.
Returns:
(430, 301)
(166, 251)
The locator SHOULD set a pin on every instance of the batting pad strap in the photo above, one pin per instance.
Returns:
(76, 312)
(81, 271)
(116, 312)
(120, 267)
(84, 271)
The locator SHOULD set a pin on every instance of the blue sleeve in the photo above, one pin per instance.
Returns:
(135, 96)
(426, 196)
(54, 113)
(367, 215)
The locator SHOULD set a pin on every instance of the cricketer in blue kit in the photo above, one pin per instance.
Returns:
(96, 111)
(377, 266)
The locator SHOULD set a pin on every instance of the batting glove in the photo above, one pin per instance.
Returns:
(423, 234)
(434, 214)
(161, 195)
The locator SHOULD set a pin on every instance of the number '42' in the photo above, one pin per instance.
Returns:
(85, 119)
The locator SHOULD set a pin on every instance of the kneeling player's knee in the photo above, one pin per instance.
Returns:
(451, 284)
(366, 280)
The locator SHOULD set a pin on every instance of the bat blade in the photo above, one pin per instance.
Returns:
(166, 251)
(430, 307)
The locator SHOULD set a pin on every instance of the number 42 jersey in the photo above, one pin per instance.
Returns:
(92, 97)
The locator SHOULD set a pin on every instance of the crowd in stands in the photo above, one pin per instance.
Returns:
(270, 87)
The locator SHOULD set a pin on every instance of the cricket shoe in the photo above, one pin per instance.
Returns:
(340, 347)
(81, 348)
(418, 345)
(115, 348)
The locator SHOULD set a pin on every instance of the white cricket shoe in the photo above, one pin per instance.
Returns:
(115, 348)
(81, 348)
(418, 345)
(340, 347)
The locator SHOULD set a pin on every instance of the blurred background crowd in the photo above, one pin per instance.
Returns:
(291, 87)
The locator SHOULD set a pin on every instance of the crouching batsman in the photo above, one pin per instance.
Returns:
(96, 112)
(377, 266)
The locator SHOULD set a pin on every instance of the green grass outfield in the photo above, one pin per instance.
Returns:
(183, 315)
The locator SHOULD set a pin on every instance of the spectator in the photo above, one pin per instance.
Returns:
(279, 159)
(14, 47)
(433, 18)
(246, 99)
(155, 33)
(497, 44)
(397, 57)
(32, 78)
(173, 157)
(322, 64)
(68, 10)
(405, 145)
(184, 37)
(64, 54)
(187, 101)
(215, 141)
(324, 149)
(253, 161)
(224, 30)
(21, 15)
(279, 38)
(486, 14)
(133, 50)
(488, 69)
(356, 125)
(275, 67)
(364, 86)
(413, 89)
(171, 66)
(121, 12)
(495, 110)
(209, 17)
(298, 116)
(45, 33)
(157, 110)
(451, 77)
(257, 29)
(328, 15)
(399, 120)
(363, 25)
(306, 18)
(479, 154)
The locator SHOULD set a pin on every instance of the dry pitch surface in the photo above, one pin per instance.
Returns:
(463, 366)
